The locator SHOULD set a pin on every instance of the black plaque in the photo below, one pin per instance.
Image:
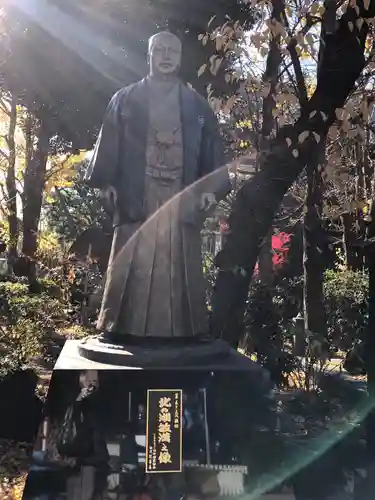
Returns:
(164, 431)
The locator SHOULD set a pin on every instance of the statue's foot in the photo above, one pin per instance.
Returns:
(111, 338)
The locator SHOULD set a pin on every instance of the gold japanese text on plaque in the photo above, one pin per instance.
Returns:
(164, 431)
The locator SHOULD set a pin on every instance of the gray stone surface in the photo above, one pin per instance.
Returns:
(197, 354)
(70, 359)
(213, 356)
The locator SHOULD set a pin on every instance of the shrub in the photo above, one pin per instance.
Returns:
(268, 324)
(346, 301)
(271, 308)
(25, 322)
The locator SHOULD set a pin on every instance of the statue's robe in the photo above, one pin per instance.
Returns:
(157, 139)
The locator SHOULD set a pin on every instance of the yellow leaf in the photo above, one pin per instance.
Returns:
(310, 87)
(305, 54)
(314, 8)
(65, 184)
(321, 10)
(303, 136)
(73, 160)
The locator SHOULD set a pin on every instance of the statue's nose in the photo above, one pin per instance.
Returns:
(166, 54)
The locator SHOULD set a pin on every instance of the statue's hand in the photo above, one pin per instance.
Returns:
(207, 200)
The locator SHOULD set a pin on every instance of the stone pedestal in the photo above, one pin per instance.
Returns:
(95, 354)
(70, 359)
(151, 354)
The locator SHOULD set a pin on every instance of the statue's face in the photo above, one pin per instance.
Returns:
(165, 55)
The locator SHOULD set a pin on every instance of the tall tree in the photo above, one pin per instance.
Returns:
(8, 106)
(314, 234)
(33, 188)
(291, 150)
(270, 79)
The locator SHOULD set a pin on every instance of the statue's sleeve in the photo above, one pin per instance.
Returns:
(104, 163)
(212, 159)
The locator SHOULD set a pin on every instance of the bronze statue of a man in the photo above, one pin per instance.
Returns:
(158, 138)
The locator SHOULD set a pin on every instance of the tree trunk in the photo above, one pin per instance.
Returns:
(353, 224)
(314, 237)
(313, 261)
(11, 183)
(270, 76)
(353, 254)
(265, 261)
(33, 196)
(258, 199)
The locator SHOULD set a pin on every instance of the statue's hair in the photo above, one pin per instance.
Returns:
(153, 38)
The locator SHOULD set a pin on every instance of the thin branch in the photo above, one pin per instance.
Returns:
(3, 107)
(292, 48)
(292, 81)
(4, 154)
(286, 68)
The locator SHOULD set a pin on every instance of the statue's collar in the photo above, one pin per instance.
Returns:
(163, 81)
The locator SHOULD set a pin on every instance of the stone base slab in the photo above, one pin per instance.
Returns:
(94, 354)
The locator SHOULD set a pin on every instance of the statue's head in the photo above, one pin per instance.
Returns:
(164, 54)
